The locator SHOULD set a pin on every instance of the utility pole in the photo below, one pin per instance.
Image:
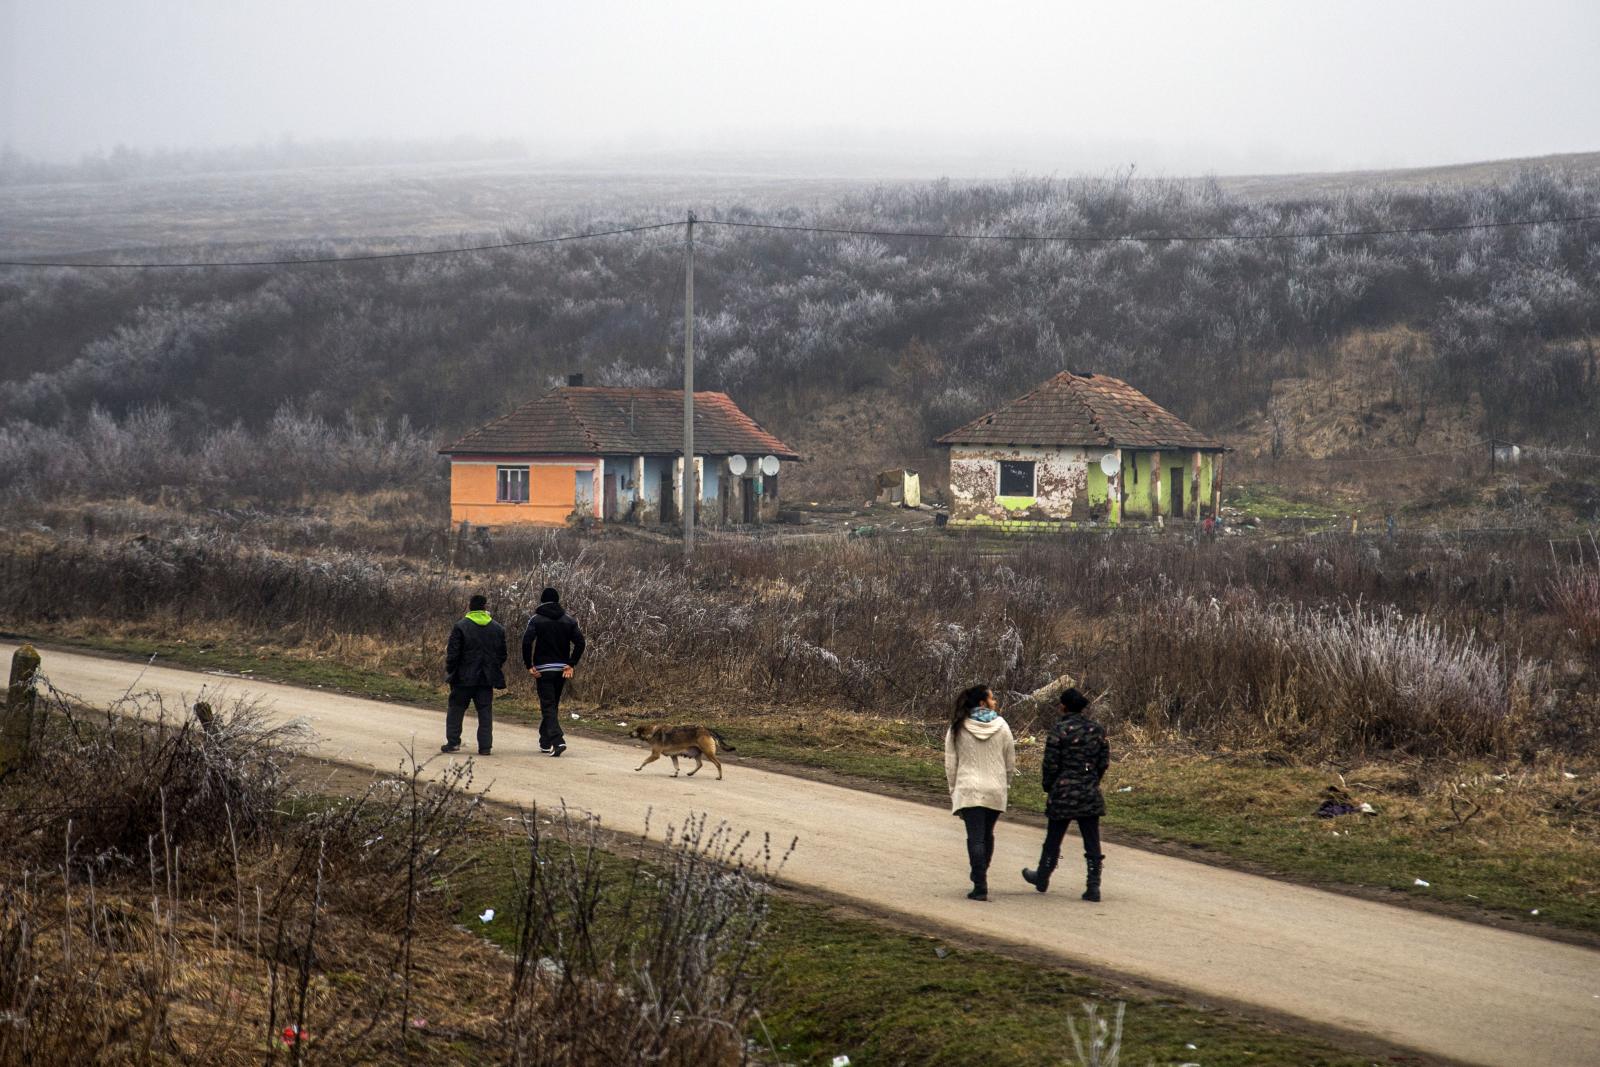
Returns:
(691, 491)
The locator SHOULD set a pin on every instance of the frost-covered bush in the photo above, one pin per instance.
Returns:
(785, 316)
(1343, 681)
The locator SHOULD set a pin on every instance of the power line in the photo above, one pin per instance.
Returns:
(324, 260)
(1560, 220)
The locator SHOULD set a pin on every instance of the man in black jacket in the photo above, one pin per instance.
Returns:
(552, 645)
(473, 663)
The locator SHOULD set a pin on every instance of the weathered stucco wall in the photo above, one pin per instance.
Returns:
(1061, 485)
(1071, 487)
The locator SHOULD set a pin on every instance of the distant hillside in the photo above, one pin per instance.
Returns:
(1575, 166)
(859, 348)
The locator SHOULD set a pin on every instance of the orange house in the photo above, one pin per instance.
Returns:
(585, 453)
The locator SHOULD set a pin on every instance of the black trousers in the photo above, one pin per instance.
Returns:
(1088, 829)
(482, 697)
(980, 840)
(550, 684)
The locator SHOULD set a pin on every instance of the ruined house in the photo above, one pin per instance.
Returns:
(1080, 448)
(587, 453)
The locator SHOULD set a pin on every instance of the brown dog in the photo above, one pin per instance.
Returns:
(675, 741)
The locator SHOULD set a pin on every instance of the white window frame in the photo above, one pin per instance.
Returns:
(1033, 477)
(503, 485)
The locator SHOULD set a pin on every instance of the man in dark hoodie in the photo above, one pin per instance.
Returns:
(473, 663)
(552, 645)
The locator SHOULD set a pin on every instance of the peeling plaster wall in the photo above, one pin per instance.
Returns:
(1061, 485)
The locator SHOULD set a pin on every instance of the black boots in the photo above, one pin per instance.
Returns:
(980, 888)
(1091, 891)
(1039, 878)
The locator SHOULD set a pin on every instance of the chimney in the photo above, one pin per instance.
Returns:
(574, 380)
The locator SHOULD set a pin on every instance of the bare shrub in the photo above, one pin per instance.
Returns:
(149, 452)
(1575, 596)
(653, 969)
(110, 781)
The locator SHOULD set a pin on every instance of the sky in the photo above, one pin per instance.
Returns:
(1221, 86)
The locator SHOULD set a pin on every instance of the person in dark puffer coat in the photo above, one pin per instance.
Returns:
(1076, 756)
(474, 663)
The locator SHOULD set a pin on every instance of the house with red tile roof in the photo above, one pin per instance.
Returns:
(1081, 448)
(615, 455)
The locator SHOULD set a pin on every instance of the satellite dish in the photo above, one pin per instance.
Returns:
(737, 465)
(769, 464)
(1110, 464)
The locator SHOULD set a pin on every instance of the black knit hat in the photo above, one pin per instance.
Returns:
(549, 596)
(1073, 701)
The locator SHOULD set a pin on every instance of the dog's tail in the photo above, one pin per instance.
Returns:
(722, 742)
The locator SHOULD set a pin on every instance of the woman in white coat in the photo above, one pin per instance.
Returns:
(979, 759)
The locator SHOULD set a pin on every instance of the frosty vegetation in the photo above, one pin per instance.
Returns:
(1317, 649)
(789, 320)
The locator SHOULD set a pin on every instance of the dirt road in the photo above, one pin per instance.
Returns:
(1437, 985)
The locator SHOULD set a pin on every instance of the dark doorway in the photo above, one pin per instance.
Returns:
(669, 494)
(1177, 492)
(747, 493)
(608, 505)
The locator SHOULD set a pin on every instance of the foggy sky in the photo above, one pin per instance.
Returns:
(953, 87)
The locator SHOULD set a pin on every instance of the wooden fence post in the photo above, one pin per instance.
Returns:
(16, 721)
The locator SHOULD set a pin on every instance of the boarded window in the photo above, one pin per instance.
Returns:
(511, 485)
(1016, 479)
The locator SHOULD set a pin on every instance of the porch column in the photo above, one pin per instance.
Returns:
(678, 486)
(600, 488)
(699, 486)
(1115, 492)
(1194, 490)
(1155, 486)
(1216, 485)
(638, 488)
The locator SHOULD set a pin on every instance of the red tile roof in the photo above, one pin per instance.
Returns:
(594, 420)
(1083, 409)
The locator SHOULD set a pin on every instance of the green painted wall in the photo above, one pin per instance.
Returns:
(1136, 483)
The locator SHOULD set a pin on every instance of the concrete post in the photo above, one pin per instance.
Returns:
(1194, 490)
(638, 487)
(16, 722)
(699, 486)
(1155, 486)
(677, 484)
(600, 488)
(1216, 485)
(1115, 492)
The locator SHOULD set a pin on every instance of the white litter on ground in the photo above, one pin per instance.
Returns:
(1422, 883)
(488, 914)
(841, 1061)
